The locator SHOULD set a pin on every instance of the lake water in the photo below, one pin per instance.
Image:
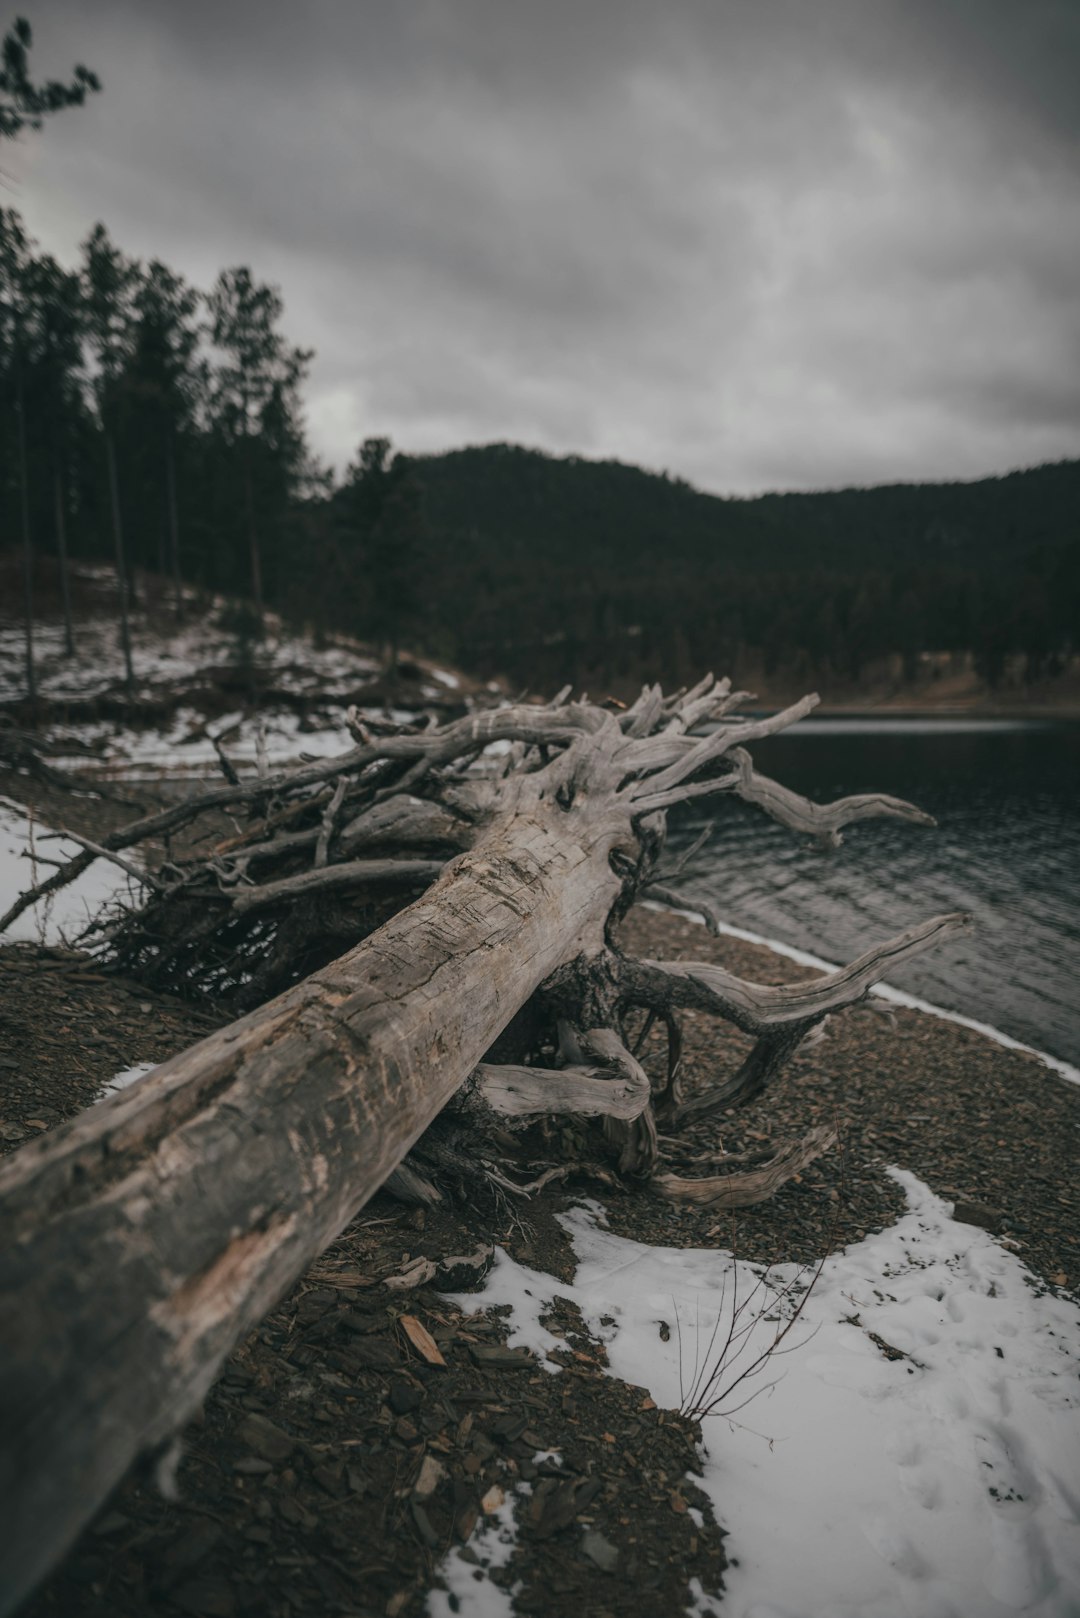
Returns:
(1006, 796)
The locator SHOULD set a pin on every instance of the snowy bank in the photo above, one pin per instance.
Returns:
(913, 1456)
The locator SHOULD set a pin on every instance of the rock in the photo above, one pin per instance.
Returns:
(497, 1357)
(404, 1398)
(332, 1478)
(292, 1511)
(600, 1551)
(976, 1213)
(265, 1439)
(509, 1427)
(554, 1505)
(423, 1524)
(430, 1476)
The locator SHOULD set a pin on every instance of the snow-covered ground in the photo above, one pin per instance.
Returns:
(942, 1482)
(202, 653)
(25, 846)
(184, 747)
(163, 653)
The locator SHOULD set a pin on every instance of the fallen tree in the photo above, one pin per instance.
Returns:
(141, 1240)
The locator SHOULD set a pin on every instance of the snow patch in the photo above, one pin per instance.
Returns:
(468, 1584)
(125, 1079)
(919, 1448)
(24, 845)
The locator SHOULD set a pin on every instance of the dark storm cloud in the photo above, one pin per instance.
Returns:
(782, 244)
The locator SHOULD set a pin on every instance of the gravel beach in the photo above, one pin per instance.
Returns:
(333, 1465)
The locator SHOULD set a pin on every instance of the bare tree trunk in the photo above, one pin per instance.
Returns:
(253, 537)
(61, 551)
(121, 566)
(28, 543)
(154, 1230)
(139, 1242)
(174, 523)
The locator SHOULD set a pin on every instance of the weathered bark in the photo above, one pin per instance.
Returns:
(139, 1242)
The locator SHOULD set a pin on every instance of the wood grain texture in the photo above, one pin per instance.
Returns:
(139, 1242)
(142, 1240)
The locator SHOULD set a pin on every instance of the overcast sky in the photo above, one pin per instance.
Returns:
(759, 243)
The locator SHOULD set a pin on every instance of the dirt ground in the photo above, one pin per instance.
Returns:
(334, 1465)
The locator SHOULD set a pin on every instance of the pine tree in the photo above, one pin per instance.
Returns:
(15, 259)
(24, 104)
(256, 403)
(382, 515)
(109, 283)
(162, 379)
(54, 365)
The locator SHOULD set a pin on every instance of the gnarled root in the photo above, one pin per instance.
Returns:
(743, 1189)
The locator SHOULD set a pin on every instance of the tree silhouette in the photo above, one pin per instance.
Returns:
(109, 283)
(255, 397)
(54, 362)
(163, 382)
(24, 104)
(15, 260)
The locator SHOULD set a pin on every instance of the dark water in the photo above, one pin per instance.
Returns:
(1007, 799)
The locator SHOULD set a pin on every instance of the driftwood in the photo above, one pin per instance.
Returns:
(140, 1241)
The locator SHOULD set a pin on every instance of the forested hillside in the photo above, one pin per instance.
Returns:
(604, 569)
(159, 426)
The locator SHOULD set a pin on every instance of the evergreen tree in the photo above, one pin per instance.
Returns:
(381, 517)
(24, 104)
(256, 403)
(163, 380)
(54, 385)
(109, 284)
(15, 260)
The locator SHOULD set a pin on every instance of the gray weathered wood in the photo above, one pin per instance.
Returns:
(139, 1242)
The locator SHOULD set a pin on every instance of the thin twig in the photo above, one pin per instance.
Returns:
(145, 877)
(326, 830)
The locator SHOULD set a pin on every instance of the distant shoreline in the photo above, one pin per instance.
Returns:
(1068, 711)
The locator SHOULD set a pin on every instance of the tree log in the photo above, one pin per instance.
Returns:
(142, 1240)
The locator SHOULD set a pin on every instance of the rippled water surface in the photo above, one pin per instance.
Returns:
(1007, 849)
